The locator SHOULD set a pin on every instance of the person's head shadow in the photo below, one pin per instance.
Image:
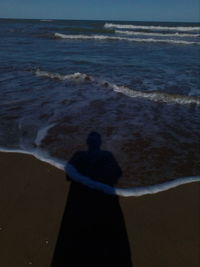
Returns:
(97, 164)
(93, 231)
(94, 141)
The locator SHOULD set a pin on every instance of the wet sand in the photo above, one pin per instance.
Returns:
(163, 229)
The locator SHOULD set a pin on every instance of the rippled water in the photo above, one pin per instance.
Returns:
(136, 84)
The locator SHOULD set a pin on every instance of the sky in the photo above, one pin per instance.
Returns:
(132, 10)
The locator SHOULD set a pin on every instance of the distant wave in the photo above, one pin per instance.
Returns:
(46, 20)
(152, 95)
(176, 34)
(115, 38)
(122, 26)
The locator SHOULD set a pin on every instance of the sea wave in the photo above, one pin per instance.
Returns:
(47, 20)
(176, 34)
(156, 96)
(73, 76)
(115, 38)
(124, 192)
(130, 26)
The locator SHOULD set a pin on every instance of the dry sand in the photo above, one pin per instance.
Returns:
(163, 229)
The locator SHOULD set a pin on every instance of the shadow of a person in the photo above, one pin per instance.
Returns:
(93, 232)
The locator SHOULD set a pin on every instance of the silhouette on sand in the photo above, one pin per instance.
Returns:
(93, 232)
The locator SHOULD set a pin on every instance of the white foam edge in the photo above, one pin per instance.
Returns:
(131, 26)
(115, 38)
(176, 34)
(125, 192)
(42, 132)
(153, 96)
(38, 154)
(73, 76)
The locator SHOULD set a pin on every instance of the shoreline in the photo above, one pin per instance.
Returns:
(163, 228)
(135, 191)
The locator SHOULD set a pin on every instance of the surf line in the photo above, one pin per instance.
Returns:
(123, 192)
(117, 38)
(156, 96)
(151, 27)
(128, 192)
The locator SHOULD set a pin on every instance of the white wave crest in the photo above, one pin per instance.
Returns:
(152, 95)
(74, 76)
(124, 192)
(115, 38)
(176, 34)
(122, 26)
(158, 96)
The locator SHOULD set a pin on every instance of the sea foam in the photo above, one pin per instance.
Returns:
(175, 34)
(131, 191)
(73, 76)
(130, 26)
(124, 192)
(156, 96)
(115, 38)
(42, 133)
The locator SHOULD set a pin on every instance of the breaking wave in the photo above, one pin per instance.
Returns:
(176, 34)
(156, 96)
(73, 76)
(123, 26)
(115, 38)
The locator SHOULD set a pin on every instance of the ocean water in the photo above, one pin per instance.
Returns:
(135, 83)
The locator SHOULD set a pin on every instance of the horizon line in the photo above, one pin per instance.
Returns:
(172, 21)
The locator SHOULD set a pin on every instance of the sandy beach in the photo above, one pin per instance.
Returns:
(163, 229)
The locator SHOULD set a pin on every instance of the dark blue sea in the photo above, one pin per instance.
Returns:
(135, 83)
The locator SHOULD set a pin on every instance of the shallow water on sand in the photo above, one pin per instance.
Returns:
(136, 84)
